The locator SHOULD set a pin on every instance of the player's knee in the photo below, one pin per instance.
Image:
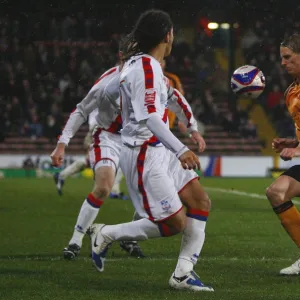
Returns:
(176, 224)
(206, 202)
(275, 195)
(101, 191)
(201, 202)
(179, 225)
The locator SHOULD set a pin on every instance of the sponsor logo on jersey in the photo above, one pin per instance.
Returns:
(150, 98)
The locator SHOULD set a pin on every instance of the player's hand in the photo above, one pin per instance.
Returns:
(278, 144)
(189, 160)
(198, 139)
(57, 156)
(289, 153)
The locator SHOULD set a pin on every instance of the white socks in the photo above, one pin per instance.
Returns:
(133, 231)
(73, 168)
(191, 244)
(87, 215)
(136, 216)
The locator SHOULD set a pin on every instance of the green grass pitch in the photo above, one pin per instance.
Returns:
(244, 250)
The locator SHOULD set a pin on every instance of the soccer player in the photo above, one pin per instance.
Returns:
(105, 151)
(156, 165)
(287, 186)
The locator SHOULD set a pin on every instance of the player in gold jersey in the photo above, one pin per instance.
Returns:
(281, 192)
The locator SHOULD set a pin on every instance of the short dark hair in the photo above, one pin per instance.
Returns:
(292, 42)
(149, 30)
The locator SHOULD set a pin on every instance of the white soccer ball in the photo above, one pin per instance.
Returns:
(248, 81)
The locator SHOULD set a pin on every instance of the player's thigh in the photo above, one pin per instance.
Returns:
(106, 146)
(194, 196)
(180, 176)
(190, 191)
(128, 165)
(151, 188)
(104, 175)
(287, 185)
(156, 185)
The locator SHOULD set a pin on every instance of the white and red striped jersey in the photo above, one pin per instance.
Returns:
(108, 115)
(145, 90)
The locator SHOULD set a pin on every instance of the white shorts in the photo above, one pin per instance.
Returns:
(105, 149)
(154, 177)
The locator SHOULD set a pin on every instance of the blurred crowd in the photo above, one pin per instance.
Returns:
(48, 66)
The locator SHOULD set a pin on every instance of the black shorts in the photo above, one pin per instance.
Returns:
(293, 172)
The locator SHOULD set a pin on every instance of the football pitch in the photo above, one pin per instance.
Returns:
(244, 250)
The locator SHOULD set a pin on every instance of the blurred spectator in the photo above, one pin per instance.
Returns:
(274, 97)
(52, 128)
(249, 130)
(240, 117)
(227, 121)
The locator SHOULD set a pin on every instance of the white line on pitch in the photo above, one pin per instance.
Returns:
(241, 193)
(155, 259)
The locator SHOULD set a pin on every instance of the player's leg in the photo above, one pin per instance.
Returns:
(72, 169)
(280, 194)
(147, 183)
(197, 203)
(104, 178)
(102, 236)
(116, 189)
(132, 247)
(104, 159)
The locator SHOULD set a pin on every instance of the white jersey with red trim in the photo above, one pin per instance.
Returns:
(92, 119)
(143, 91)
(108, 115)
(179, 105)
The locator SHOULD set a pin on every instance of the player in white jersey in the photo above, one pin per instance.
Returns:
(153, 160)
(79, 164)
(103, 156)
(108, 120)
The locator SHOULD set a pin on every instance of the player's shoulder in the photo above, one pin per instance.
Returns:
(147, 63)
(105, 78)
(172, 76)
(108, 73)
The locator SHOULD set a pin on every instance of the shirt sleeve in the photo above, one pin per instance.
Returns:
(80, 114)
(146, 91)
(92, 119)
(179, 105)
(163, 133)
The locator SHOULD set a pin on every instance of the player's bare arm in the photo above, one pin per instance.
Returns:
(278, 144)
(198, 139)
(289, 153)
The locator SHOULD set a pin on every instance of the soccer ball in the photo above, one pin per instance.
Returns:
(248, 81)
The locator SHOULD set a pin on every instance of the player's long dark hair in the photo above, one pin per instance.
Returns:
(149, 30)
(292, 42)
